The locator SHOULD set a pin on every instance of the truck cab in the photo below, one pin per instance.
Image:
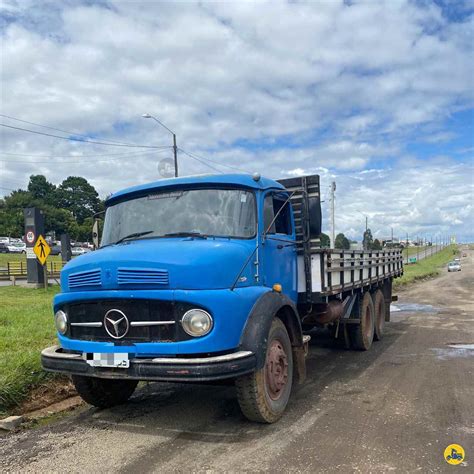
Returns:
(176, 291)
(207, 278)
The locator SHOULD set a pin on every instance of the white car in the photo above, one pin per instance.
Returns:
(454, 267)
(79, 251)
(17, 247)
(5, 240)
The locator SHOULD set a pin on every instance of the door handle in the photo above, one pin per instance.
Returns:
(279, 246)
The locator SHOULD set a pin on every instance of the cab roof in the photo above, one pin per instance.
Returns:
(237, 180)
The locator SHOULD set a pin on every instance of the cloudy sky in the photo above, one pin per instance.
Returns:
(377, 96)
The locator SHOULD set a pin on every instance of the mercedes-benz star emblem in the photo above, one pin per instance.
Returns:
(116, 323)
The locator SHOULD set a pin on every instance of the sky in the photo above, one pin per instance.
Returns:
(376, 96)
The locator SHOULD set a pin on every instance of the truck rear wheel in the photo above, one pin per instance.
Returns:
(103, 393)
(362, 334)
(264, 394)
(379, 308)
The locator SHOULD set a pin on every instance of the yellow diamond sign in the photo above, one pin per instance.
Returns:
(41, 249)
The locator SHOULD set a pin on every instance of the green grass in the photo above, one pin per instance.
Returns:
(26, 327)
(428, 267)
(18, 257)
(411, 251)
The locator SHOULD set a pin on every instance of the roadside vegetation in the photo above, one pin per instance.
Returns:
(412, 251)
(15, 257)
(428, 267)
(26, 327)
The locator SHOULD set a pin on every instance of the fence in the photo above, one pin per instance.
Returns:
(415, 254)
(18, 269)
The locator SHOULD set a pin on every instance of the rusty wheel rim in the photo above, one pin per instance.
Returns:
(367, 328)
(276, 370)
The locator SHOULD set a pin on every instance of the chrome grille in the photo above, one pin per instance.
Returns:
(142, 276)
(86, 278)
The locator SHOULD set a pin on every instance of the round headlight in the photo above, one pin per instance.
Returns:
(197, 322)
(60, 319)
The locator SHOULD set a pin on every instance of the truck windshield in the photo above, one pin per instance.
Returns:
(205, 212)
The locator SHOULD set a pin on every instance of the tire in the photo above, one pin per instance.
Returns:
(379, 314)
(103, 393)
(263, 395)
(362, 334)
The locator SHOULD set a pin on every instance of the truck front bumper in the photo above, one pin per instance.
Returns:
(165, 369)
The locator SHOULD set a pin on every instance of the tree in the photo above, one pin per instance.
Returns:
(325, 240)
(342, 242)
(368, 240)
(79, 197)
(376, 245)
(40, 188)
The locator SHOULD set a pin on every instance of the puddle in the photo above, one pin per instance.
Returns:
(412, 308)
(455, 351)
(460, 345)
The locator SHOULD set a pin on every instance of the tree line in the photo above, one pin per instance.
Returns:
(342, 242)
(67, 208)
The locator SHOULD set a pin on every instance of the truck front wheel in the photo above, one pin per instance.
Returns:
(103, 393)
(264, 394)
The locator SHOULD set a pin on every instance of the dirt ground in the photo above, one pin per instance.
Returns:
(394, 408)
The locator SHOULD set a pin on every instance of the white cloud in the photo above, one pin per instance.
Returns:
(326, 87)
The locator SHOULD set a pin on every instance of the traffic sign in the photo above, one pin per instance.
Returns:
(42, 250)
(30, 237)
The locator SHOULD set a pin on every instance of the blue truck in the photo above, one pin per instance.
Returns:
(211, 278)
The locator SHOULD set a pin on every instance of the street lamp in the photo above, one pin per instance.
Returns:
(175, 148)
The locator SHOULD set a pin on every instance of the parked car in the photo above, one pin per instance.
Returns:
(79, 251)
(55, 250)
(5, 240)
(3, 247)
(454, 267)
(17, 248)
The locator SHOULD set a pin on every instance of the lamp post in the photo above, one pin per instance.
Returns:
(175, 148)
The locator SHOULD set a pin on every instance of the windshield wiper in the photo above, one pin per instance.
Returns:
(186, 234)
(132, 236)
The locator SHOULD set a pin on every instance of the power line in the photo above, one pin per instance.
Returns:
(81, 156)
(56, 129)
(197, 157)
(75, 139)
(201, 161)
(79, 160)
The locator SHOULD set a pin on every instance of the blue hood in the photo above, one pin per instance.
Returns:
(177, 263)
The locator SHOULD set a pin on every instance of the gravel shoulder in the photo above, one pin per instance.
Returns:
(395, 407)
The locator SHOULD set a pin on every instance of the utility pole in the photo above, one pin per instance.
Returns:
(175, 153)
(175, 148)
(333, 224)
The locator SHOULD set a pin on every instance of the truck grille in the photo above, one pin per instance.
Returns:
(87, 278)
(149, 320)
(142, 276)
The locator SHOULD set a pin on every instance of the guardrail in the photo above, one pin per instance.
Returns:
(17, 269)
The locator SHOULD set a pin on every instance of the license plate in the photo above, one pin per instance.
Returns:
(107, 359)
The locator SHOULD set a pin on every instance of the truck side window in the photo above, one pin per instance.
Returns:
(283, 221)
(271, 205)
(268, 214)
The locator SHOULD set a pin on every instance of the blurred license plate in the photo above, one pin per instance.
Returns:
(106, 359)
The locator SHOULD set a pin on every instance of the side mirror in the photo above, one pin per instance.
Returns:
(315, 216)
(95, 233)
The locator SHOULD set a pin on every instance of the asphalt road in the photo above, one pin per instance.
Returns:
(395, 407)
